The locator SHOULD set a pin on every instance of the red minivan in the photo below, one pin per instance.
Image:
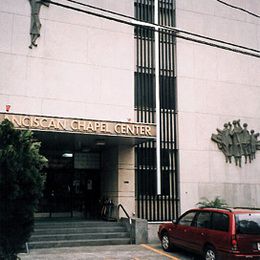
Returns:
(215, 233)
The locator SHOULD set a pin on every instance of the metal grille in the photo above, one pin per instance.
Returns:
(149, 205)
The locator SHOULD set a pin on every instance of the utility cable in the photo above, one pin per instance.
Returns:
(100, 9)
(218, 46)
(162, 26)
(171, 32)
(238, 8)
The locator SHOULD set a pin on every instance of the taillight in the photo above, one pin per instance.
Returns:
(234, 243)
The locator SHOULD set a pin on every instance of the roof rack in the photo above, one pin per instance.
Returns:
(229, 209)
(246, 208)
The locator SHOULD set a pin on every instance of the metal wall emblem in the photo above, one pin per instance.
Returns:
(237, 142)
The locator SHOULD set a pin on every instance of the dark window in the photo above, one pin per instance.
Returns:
(167, 91)
(187, 219)
(144, 10)
(165, 179)
(220, 221)
(145, 91)
(203, 220)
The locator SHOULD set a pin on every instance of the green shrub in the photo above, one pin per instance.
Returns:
(216, 203)
(20, 187)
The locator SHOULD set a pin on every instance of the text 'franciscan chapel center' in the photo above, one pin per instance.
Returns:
(144, 103)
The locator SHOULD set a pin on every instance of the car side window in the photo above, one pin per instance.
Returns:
(203, 220)
(187, 219)
(220, 221)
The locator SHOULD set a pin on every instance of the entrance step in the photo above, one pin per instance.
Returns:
(71, 233)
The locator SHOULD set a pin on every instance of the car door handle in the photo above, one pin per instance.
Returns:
(202, 234)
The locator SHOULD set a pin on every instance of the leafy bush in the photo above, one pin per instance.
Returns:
(216, 203)
(20, 187)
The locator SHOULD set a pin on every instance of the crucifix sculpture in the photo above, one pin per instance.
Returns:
(35, 20)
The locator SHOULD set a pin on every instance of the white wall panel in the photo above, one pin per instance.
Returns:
(83, 65)
(214, 87)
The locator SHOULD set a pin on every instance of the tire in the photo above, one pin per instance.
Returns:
(165, 242)
(210, 253)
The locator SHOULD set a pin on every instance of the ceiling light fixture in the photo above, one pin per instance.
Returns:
(67, 155)
(100, 142)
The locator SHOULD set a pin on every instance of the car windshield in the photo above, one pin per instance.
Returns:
(248, 223)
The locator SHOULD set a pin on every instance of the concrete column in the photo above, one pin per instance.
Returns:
(118, 177)
(126, 179)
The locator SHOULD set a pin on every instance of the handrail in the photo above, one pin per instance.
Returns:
(122, 207)
(130, 221)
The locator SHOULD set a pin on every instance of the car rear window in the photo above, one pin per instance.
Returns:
(248, 223)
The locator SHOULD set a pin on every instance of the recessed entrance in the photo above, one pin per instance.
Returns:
(72, 184)
(83, 171)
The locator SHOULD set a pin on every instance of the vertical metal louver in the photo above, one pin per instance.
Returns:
(151, 206)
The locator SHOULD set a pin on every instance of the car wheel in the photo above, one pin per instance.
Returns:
(165, 242)
(210, 253)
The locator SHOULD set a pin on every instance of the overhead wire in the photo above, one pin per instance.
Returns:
(100, 9)
(163, 26)
(238, 8)
(217, 46)
(168, 30)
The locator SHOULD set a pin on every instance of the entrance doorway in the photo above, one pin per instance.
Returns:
(86, 193)
(69, 191)
(84, 172)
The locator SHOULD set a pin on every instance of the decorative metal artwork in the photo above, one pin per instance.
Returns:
(237, 142)
(35, 20)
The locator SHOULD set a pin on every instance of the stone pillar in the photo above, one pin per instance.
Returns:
(126, 180)
(118, 177)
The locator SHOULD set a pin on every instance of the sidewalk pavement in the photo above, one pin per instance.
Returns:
(115, 252)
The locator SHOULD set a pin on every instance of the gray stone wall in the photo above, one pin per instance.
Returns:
(153, 233)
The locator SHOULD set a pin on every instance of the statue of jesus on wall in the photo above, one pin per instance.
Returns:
(35, 20)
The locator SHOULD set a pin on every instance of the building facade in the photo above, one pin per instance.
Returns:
(88, 92)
